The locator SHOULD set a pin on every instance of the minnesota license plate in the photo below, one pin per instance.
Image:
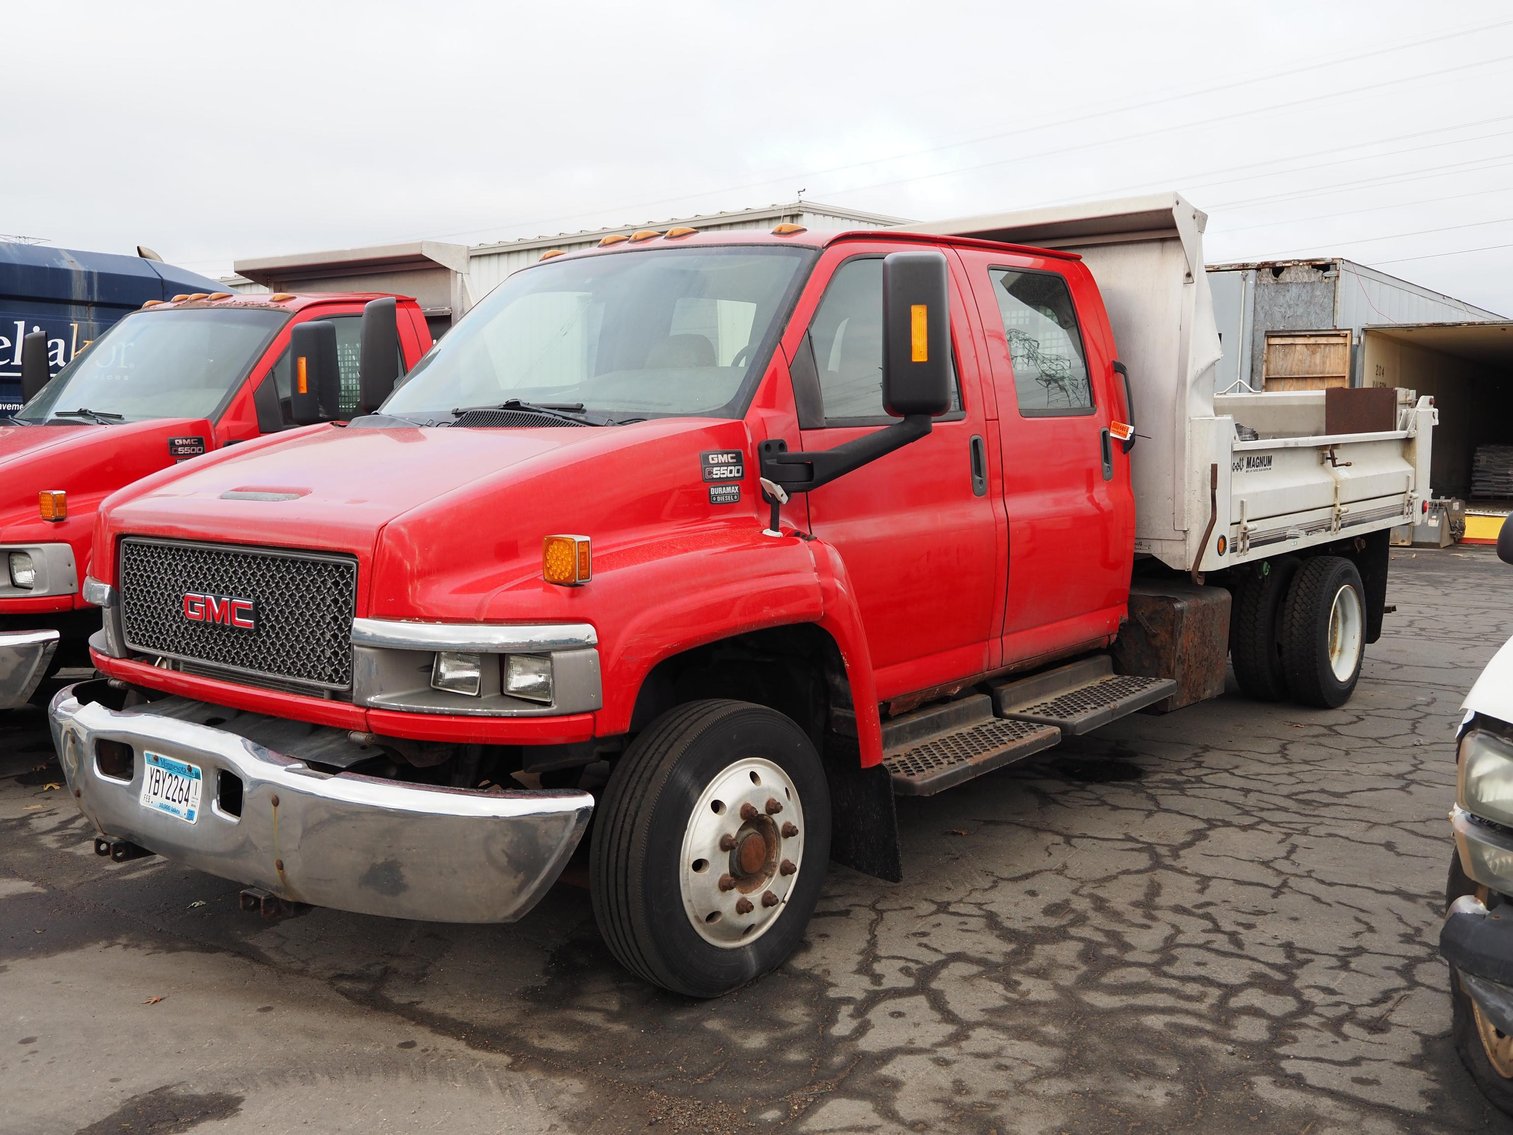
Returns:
(171, 786)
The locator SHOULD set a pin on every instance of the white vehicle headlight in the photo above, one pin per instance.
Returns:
(1485, 785)
(461, 673)
(529, 676)
(23, 570)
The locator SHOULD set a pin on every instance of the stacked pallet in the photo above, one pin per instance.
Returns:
(1492, 472)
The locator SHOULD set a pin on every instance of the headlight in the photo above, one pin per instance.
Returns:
(1486, 776)
(23, 571)
(458, 672)
(529, 676)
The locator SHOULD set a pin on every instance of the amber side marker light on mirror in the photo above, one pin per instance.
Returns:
(302, 378)
(566, 561)
(52, 504)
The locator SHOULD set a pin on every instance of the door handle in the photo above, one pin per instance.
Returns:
(979, 450)
(1108, 455)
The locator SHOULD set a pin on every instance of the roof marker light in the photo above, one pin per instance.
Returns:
(551, 252)
(180, 298)
(786, 229)
(644, 234)
(281, 297)
(681, 230)
(613, 238)
(214, 296)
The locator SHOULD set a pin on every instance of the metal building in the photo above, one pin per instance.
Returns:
(1297, 324)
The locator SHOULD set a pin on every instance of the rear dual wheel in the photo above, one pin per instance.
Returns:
(1324, 632)
(710, 847)
(1298, 631)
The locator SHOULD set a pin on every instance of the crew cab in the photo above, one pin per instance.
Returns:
(171, 381)
(721, 540)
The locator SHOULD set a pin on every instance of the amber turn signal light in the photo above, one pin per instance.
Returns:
(53, 504)
(566, 560)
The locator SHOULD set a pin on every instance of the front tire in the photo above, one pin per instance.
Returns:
(1486, 1052)
(710, 847)
(1324, 632)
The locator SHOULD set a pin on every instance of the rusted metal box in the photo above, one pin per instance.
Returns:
(1177, 630)
(1360, 410)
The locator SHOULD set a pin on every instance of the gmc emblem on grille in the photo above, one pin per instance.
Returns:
(222, 609)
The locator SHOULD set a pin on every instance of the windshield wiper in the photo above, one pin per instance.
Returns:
(102, 416)
(567, 411)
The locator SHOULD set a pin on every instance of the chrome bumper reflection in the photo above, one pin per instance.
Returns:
(24, 656)
(341, 840)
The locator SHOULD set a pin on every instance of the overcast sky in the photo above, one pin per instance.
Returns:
(1376, 130)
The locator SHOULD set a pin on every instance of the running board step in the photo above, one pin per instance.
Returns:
(1080, 697)
(940, 747)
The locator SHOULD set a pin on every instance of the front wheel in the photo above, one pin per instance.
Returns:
(1486, 1051)
(1324, 632)
(710, 847)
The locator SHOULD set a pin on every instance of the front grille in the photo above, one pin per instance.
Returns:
(303, 605)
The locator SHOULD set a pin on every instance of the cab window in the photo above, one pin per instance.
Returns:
(1045, 343)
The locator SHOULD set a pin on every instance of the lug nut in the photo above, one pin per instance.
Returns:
(769, 899)
(774, 806)
(727, 842)
(790, 829)
(749, 812)
(744, 906)
(787, 867)
(727, 882)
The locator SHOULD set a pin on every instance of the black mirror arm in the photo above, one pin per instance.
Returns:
(803, 470)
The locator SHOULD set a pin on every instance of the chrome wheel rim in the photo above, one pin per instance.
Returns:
(1347, 633)
(743, 849)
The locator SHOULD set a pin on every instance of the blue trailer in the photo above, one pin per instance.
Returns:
(72, 297)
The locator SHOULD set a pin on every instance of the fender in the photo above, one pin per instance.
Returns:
(650, 608)
(842, 620)
(1492, 695)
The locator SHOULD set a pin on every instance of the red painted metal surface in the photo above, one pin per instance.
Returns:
(921, 582)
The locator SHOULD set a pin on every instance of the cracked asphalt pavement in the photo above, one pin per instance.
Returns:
(1219, 920)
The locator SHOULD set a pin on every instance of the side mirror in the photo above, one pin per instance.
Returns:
(315, 392)
(916, 334)
(34, 370)
(1505, 541)
(378, 363)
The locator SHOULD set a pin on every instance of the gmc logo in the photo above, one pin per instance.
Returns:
(222, 609)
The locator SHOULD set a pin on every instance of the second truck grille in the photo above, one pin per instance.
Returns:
(301, 607)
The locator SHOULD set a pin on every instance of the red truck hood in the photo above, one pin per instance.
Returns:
(87, 461)
(437, 500)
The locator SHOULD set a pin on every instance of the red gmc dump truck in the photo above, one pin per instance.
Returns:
(722, 540)
(176, 379)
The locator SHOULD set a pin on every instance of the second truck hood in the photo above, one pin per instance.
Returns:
(334, 489)
(84, 459)
(1492, 695)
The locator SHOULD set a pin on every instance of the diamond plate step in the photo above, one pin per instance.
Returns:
(973, 742)
(1080, 697)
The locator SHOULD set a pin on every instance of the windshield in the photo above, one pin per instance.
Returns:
(158, 364)
(626, 336)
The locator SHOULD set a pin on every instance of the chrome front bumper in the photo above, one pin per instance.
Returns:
(341, 840)
(24, 656)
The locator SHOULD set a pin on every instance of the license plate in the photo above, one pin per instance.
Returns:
(171, 786)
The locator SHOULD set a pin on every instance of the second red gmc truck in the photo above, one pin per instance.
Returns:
(722, 540)
(174, 380)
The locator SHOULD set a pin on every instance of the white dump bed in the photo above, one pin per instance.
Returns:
(1195, 481)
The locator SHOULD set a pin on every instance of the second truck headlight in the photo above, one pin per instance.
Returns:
(1486, 776)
